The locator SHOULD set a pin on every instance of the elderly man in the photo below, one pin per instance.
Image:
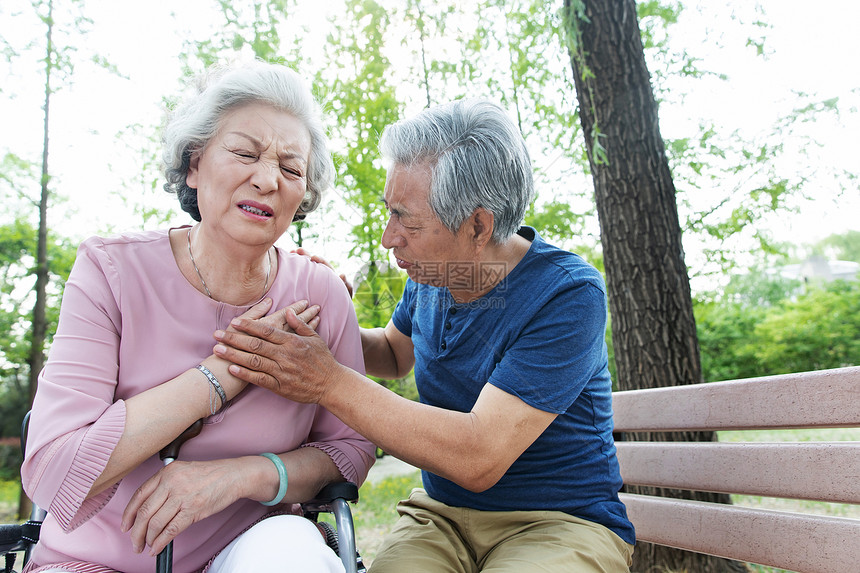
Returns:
(513, 431)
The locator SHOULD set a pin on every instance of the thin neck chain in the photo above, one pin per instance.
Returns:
(203, 282)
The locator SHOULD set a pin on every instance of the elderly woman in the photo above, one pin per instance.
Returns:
(131, 366)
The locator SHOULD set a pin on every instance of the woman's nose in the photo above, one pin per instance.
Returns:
(265, 176)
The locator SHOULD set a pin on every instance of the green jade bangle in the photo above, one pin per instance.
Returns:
(282, 477)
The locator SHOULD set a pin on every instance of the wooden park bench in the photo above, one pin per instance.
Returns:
(822, 471)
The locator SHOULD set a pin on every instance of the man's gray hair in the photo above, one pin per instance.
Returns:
(196, 121)
(477, 157)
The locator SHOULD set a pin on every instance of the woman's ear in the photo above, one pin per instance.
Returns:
(193, 164)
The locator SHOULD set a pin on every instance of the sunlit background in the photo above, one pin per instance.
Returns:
(764, 61)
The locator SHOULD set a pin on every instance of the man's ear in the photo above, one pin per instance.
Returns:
(193, 165)
(481, 225)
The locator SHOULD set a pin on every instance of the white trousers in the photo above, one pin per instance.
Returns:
(280, 544)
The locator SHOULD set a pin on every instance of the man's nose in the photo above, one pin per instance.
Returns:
(390, 237)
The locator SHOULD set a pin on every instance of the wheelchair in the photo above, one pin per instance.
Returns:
(334, 498)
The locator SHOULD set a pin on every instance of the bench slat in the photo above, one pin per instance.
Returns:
(821, 471)
(824, 398)
(797, 542)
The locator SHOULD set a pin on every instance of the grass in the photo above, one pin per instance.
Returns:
(805, 435)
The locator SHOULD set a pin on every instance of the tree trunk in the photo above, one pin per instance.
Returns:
(653, 329)
(37, 344)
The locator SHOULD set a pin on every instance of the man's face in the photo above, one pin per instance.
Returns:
(421, 244)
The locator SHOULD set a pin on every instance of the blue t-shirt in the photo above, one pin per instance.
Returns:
(539, 335)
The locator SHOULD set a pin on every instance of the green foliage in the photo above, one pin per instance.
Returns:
(726, 340)
(818, 330)
(17, 269)
(9, 490)
(10, 461)
(753, 182)
(655, 17)
(376, 511)
(13, 171)
(246, 27)
(14, 403)
(29, 252)
(456, 51)
(65, 22)
(378, 288)
(748, 170)
(354, 80)
(556, 221)
(446, 51)
(760, 325)
(757, 289)
(471, 44)
(363, 102)
(730, 182)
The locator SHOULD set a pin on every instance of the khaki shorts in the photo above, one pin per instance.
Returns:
(431, 537)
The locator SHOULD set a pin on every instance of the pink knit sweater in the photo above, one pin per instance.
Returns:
(130, 321)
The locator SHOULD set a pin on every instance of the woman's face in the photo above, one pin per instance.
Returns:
(252, 176)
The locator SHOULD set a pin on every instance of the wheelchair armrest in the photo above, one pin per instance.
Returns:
(344, 490)
(11, 537)
(19, 536)
(334, 498)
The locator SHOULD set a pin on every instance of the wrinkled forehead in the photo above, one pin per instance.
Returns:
(408, 184)
(266, 125)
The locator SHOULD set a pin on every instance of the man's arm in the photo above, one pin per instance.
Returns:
(473, 449)
(388, 353)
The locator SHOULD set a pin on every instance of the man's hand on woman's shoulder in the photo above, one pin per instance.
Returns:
(322, 261)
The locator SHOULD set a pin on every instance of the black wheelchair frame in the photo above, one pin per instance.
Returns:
(334, 498)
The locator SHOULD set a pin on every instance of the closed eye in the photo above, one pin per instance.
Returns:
(245, 154)
(291, 171)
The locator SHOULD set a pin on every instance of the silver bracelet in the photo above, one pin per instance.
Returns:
(215, 384)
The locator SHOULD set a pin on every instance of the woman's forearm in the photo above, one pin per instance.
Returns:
(155, 417)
